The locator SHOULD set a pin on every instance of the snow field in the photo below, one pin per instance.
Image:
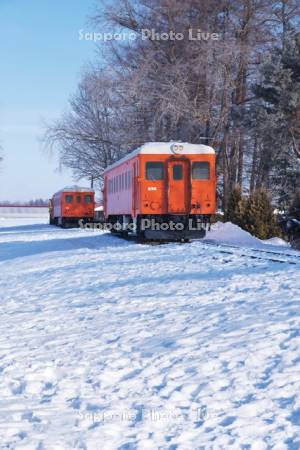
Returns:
(107, 344)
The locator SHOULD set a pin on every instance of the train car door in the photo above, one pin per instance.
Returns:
(178, 186)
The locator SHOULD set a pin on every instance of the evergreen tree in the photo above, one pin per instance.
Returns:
(285, 179)
(276, 121)
(295, 206)
(259, 218)
(236, 207)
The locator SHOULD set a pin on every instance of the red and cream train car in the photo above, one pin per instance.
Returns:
(162, 190)
(70, 205)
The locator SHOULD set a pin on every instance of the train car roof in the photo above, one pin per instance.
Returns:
(74, 189)
(164, 148)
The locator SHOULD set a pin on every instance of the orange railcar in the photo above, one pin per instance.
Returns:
(71, 205)
(162, 190)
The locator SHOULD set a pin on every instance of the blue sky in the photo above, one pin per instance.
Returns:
(41, 61)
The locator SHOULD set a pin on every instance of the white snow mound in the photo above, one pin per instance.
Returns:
(229, 233)
(276, 241)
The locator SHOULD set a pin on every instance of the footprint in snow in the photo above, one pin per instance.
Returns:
(17, 387)
(28, 415)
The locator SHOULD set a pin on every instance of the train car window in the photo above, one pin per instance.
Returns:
(78, 198)
(177, 172)
(69, 198)
(154, 171)
(114, 185)
(200, 171)
(88, 199)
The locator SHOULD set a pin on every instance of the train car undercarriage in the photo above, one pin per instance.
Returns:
(161, 227)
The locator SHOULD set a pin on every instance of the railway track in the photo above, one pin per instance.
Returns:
(255, 253)
(229, 249)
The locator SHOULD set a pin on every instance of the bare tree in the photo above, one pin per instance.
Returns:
(86, 138)
(194, 88)
(156, 89)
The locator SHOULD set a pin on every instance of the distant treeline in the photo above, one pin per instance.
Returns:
(37, 202)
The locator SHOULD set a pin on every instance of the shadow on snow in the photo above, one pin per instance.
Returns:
(13, 250)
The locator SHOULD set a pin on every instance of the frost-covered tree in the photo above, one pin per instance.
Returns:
(153, 89)
(275, 122)
(279, 89)
(87, 137)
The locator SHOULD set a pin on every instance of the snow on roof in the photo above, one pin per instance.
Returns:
(75, 188)
(165, 148)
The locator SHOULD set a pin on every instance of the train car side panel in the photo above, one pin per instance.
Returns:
(120, 189)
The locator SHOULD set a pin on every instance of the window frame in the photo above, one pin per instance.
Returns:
(85, 199)
(67, 197)
(207, 163)
(181, 172)
(161, 163)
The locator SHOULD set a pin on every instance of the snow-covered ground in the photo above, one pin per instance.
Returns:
(18, 221)
(107, 344)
